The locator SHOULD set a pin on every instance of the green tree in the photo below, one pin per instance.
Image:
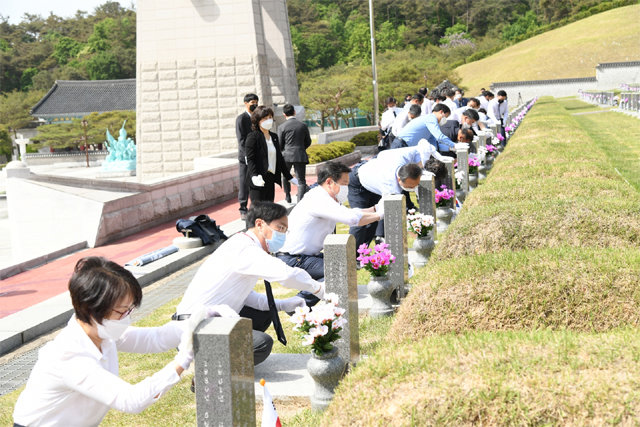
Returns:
(6, 146)
(15, 109)
(66, 48)
(104, 66)
(26, 81)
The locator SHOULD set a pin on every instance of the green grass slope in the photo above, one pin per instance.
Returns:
(571, 51)
(528, 311)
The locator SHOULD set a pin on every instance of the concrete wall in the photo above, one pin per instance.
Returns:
(611, 75)
(608, 76)
(33, 159)
(531, 89)
(196, 59)
(100, 211)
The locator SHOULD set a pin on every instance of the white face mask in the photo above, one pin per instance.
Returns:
(113, 329)
(267, 124)
(443, 121)
(466, 126)
(342, 194)
(408, 189)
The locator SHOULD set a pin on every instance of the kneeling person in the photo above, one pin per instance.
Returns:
(316, 216)
(229, 275)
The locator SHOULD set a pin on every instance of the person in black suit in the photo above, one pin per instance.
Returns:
(294, 140)
(243, 128)
(265, 164)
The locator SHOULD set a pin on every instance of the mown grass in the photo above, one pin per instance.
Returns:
(528, 312)
(570, 51)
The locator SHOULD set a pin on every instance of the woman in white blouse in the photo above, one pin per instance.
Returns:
(75, 380)
(265, 164)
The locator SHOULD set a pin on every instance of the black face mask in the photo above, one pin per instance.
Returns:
(252, 107)
(500, 101)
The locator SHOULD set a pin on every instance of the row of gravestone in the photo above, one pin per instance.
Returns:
(602, 97)
(629, 101)
(224, 369)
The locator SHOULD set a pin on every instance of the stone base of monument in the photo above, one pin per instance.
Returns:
(115, 174)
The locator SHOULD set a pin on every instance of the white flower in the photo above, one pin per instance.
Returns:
(319, 331)
(338, 311)
(308, 340)
(459, 177)
(338, 323)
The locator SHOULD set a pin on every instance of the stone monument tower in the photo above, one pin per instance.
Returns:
(196, 59)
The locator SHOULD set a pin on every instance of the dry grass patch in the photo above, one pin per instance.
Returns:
(572, 288)
(504, 378)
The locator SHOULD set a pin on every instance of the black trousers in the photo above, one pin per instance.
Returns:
(243, 186)
(360, 197)
(266, 193)
(301, 170)
(262, 342)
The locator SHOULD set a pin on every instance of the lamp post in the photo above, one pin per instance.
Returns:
(86, 140)
(373, 65)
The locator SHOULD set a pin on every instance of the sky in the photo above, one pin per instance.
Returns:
(15, 9)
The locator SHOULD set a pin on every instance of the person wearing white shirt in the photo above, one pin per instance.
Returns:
(389, 115)
(404, 117)
(316, 216)
(486, 97)
(391, 172)
(499, 109)
(449, 102)
(229, 275)
(75, 380)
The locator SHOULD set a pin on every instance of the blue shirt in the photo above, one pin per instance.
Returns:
(426, 127)
(380, 175)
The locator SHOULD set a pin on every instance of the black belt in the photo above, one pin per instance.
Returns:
(179, 317)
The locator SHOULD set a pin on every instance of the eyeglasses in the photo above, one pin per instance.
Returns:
(124, 314)
(280, 228)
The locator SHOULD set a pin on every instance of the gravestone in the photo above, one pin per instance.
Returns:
(395, 235)
(462, 153)
(224, 378)
(196, 59)
(340, 277)
(450, 180)
(427, 198)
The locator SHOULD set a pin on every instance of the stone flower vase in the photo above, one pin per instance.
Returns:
(482, 172)
(443, 217)
(473, 180)
(326, 370)
(380, 290)
(488, 161)
(422, 248)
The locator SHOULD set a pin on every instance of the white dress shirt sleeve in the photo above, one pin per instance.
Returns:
(257, 301)
(339, 213)
(151, 340)
(84, 376)
(256, 262)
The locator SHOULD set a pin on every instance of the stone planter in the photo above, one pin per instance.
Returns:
(443, 218)
(461, 194)
(380, 290)
(473, 181)
(488, 162)
(421, 250)
(326, 370)
(482, 172)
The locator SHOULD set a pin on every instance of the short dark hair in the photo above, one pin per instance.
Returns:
(415, 110)
(266, 211)
(441, 98)
(333, 170)
(471, 113)
(474, 100)
(449, 93)
(251, 97)
(423, 90)
(97, 285)
(258, 114)
(389, 100)
(418, 96)
(409, 171)
(482, 110)
(467, 133)
(502, 93)
(288, 110)
(436, 167)
(441, 107)
(489, 94)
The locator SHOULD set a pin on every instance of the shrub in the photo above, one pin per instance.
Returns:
(366, 138)
(322, 152)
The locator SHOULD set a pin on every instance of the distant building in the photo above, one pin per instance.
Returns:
(71, 99)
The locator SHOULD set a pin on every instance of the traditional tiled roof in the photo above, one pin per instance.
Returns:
(82, 97)
(446, 84)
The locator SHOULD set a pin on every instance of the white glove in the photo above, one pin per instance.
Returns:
(185, 354)
(185, 348)
(289, 305)
(221, 310)
(294, 181)
(320, 292)
(257, 181)
(380, 209)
